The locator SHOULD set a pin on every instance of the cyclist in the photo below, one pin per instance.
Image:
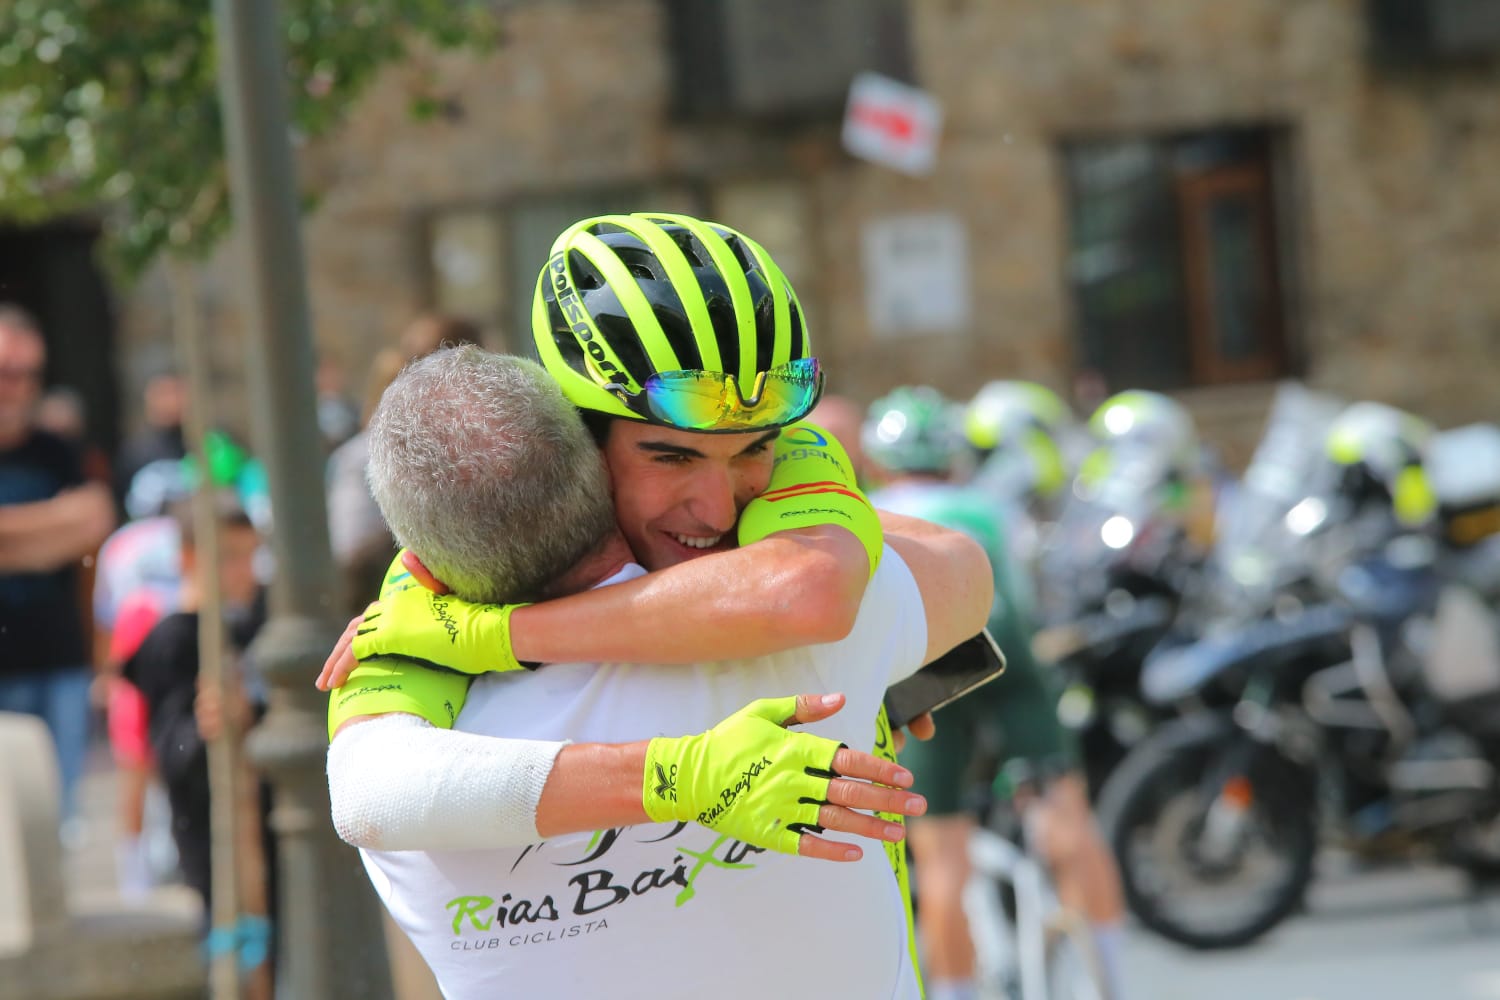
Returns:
(1377, 455)
(1026, 441)
(679, 487)
(914, 434)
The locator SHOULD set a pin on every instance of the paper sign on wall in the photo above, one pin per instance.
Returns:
(916, 274)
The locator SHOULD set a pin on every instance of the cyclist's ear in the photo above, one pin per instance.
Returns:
(421, 573)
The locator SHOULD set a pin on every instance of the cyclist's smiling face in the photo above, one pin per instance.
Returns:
(678, 494)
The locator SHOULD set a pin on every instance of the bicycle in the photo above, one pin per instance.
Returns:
(1027, 945)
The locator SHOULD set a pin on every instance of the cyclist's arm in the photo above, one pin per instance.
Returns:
(791, 589)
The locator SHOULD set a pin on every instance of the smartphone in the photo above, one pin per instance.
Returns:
(963, 668)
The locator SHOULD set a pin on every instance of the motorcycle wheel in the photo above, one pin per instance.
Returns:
(1186, 878)
(1476, 849)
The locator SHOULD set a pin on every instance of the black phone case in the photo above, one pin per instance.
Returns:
(969, 665)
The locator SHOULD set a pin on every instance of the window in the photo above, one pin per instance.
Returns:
(779, 59)
(1174, 261)
(483, 261)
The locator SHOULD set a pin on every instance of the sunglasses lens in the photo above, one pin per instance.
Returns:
(691, 400)
(703, 401)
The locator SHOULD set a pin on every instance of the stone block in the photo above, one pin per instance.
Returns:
(49, 952)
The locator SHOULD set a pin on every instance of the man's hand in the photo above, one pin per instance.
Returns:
(211, 715)
(749, 778)
(921, 727)
(341, 662)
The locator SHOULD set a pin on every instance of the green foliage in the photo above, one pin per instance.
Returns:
(113, 104)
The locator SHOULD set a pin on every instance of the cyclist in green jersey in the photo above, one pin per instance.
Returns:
(915, 436)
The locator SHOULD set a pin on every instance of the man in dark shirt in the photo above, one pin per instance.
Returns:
(50, 518)
(165, 399)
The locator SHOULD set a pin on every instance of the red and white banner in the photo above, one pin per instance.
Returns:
(892, 124)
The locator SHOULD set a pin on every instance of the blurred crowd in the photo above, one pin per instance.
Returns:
(102, 585)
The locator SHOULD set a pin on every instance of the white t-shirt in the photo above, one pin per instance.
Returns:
(669, 910)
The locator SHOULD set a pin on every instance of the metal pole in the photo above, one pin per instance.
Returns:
(223, 752)
(329, 931)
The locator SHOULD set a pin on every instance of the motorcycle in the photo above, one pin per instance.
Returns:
(1322, 706)
(1111, 575)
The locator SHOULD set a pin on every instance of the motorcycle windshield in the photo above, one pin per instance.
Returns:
(1113, 524)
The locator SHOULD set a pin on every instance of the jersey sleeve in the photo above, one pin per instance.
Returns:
(812, 484)
(386, 684)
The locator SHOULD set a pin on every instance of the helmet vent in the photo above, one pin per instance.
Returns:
(742, 255)
(692, 248)
(586, 276)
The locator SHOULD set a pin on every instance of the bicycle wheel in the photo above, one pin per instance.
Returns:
(990, 907)
(1072, 966)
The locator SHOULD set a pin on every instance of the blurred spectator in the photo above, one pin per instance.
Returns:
(161, 438)
(362, 545)
(165, 669)
(843, 417)
(1090, 390)
(63, 412)
(137, 582)
(338, 416)
(432, 330)
(50, 518)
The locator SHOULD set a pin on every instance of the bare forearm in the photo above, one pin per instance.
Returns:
(49, 534)
(789, 590)
(953, 573)
(593, 786)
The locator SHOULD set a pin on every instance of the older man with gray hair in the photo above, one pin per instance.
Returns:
(482, 466)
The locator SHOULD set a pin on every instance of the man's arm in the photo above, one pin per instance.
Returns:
(952, 572)
(46, 535)
(793, 588)
(398, 783)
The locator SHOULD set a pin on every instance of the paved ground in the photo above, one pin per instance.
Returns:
(1401, 934)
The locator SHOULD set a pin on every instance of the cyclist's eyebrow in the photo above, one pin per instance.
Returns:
(761, 441)
(669, 449)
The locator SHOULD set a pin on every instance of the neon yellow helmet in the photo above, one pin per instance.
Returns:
(675, 321)
(1147, 422)
(1381, 447)
(1027, 417)
(1148, 432)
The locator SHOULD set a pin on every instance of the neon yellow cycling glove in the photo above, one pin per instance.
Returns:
(813, 483)
(438, 630)
(748, 777)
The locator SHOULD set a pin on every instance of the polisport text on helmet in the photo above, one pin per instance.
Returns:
(576, 315)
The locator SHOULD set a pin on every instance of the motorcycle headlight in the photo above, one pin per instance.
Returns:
(1117, 532)
(1307, 516)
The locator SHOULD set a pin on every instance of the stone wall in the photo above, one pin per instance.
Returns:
(1392, 218)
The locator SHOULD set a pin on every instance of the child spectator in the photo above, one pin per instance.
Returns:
(165, 669)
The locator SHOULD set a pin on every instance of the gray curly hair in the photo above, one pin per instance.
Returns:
(483, 468)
